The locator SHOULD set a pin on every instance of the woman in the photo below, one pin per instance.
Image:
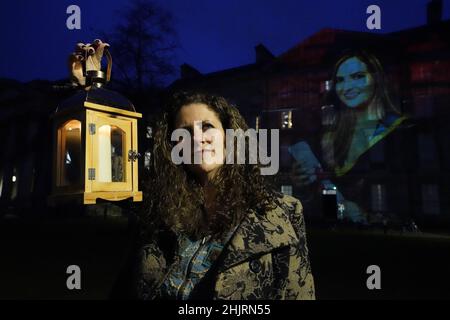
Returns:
(213, 230)
(362, 115)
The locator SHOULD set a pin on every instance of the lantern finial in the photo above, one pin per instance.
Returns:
(85, 64)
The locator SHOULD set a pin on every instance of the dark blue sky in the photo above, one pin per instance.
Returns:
(213, 34)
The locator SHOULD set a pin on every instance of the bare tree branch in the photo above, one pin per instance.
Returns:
(143, 45)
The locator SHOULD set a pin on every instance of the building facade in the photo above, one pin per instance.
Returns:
(289, 93)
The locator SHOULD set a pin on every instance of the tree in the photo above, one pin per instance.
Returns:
(142, 46)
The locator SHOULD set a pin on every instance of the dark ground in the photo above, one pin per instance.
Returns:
(412, 266)
(35, 255)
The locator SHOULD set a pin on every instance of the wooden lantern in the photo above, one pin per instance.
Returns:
(95, 147)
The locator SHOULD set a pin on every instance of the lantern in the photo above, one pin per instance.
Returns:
(95, 146)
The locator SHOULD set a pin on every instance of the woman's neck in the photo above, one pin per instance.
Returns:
(210, 193)
(204, 180)
(363, 117)
(365, 127)
(209, 189)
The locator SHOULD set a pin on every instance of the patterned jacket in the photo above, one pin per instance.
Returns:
(265, 258)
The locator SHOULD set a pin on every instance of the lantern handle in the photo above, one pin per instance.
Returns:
(86, 58)
(109, 66)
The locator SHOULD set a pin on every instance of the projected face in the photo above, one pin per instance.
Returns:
(354, 84)
(207, 137)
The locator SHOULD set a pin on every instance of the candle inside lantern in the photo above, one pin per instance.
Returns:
(104, 153)
(70, 154)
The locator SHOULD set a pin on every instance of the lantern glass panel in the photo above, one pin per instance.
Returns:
(111, 153)
(70, 153)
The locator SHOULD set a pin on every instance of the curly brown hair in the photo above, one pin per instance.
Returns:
(174, 200)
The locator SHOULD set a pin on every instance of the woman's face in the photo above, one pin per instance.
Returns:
(355, 85)
(207, 138)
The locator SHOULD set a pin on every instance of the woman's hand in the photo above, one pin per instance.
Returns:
(354, 212)
(89, 54)
(304, 165)
(301, 176)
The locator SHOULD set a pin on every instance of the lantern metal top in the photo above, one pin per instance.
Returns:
(97, 95)
(85, 65)
(96, 78)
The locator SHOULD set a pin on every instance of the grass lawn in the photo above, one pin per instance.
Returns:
(34, 258)
(413, 266)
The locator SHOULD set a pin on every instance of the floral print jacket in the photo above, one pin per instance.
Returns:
(265, 258)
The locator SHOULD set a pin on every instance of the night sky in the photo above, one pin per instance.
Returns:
(213, 35)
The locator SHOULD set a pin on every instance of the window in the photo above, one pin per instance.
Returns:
(111, 154)
(328, 115)
(422, 71)
(427, 151)
(286, 119)
(69, 153)
(325, 86)
(285, 92)
(430, 199)
(423, 106)
(378, 195)
(14, 188)
(437, 70)
(147, 158)
(149, 132)
(286, 189)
